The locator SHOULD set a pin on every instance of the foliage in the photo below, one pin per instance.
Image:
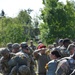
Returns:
(24, 17)
(58, 20)
(16, 29)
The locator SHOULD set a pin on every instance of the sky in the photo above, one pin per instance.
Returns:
(12, 7)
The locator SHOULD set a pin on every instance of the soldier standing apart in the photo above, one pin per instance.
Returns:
(42, 59)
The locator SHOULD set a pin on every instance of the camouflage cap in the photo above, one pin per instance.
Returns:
(24, 70)
(15, 45)
(24, 45)
(66, 40)
(60, 40)
(9, 45)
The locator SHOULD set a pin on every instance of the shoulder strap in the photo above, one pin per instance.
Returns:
(61, 68)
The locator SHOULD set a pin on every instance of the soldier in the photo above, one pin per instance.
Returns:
(42, 59)
(15, 47)
(27, 52)
(52, 65)
(6, 56)
(20, 61)
(60, 43)
(9, 46)
(63, 49)
(40, 44)
(32, 46)
(71, 49)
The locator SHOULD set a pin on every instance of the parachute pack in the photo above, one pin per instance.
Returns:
(65, 66)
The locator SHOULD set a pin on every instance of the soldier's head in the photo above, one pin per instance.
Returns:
(42, 48)
(60, 42)
(9, 46)
(71, 48)
(15, 47)
(24, 47)
(54, 54)
(55, 44)
(40, 41)
(5, 52)
(66, 42)
(31, 42)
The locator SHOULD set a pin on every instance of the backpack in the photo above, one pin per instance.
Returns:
(17, 63)
(73, 73)
(64, 66)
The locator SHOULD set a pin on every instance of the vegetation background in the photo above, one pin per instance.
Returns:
(57, 20)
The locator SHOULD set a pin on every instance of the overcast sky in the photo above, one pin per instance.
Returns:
(12, 7)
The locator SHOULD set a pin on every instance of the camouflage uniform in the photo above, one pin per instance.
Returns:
(29, 56)
(18, 61)
(6, 56)
(32, 63)
(9, 46)
(42, 60)
(63, 49)
(15, 47)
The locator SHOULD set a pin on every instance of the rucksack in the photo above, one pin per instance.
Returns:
(64, 66)
(73, 73)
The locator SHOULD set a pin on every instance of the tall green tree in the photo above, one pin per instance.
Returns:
(24, 17)
(16, 29)
(58, 20)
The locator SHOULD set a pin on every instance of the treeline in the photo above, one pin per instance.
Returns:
(58, 20)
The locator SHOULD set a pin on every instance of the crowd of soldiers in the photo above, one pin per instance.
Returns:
(17, 59)
(24, 59)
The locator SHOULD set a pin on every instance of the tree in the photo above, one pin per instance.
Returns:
(58, 20)
(16, 29)
(25, 20)
(24, 17)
